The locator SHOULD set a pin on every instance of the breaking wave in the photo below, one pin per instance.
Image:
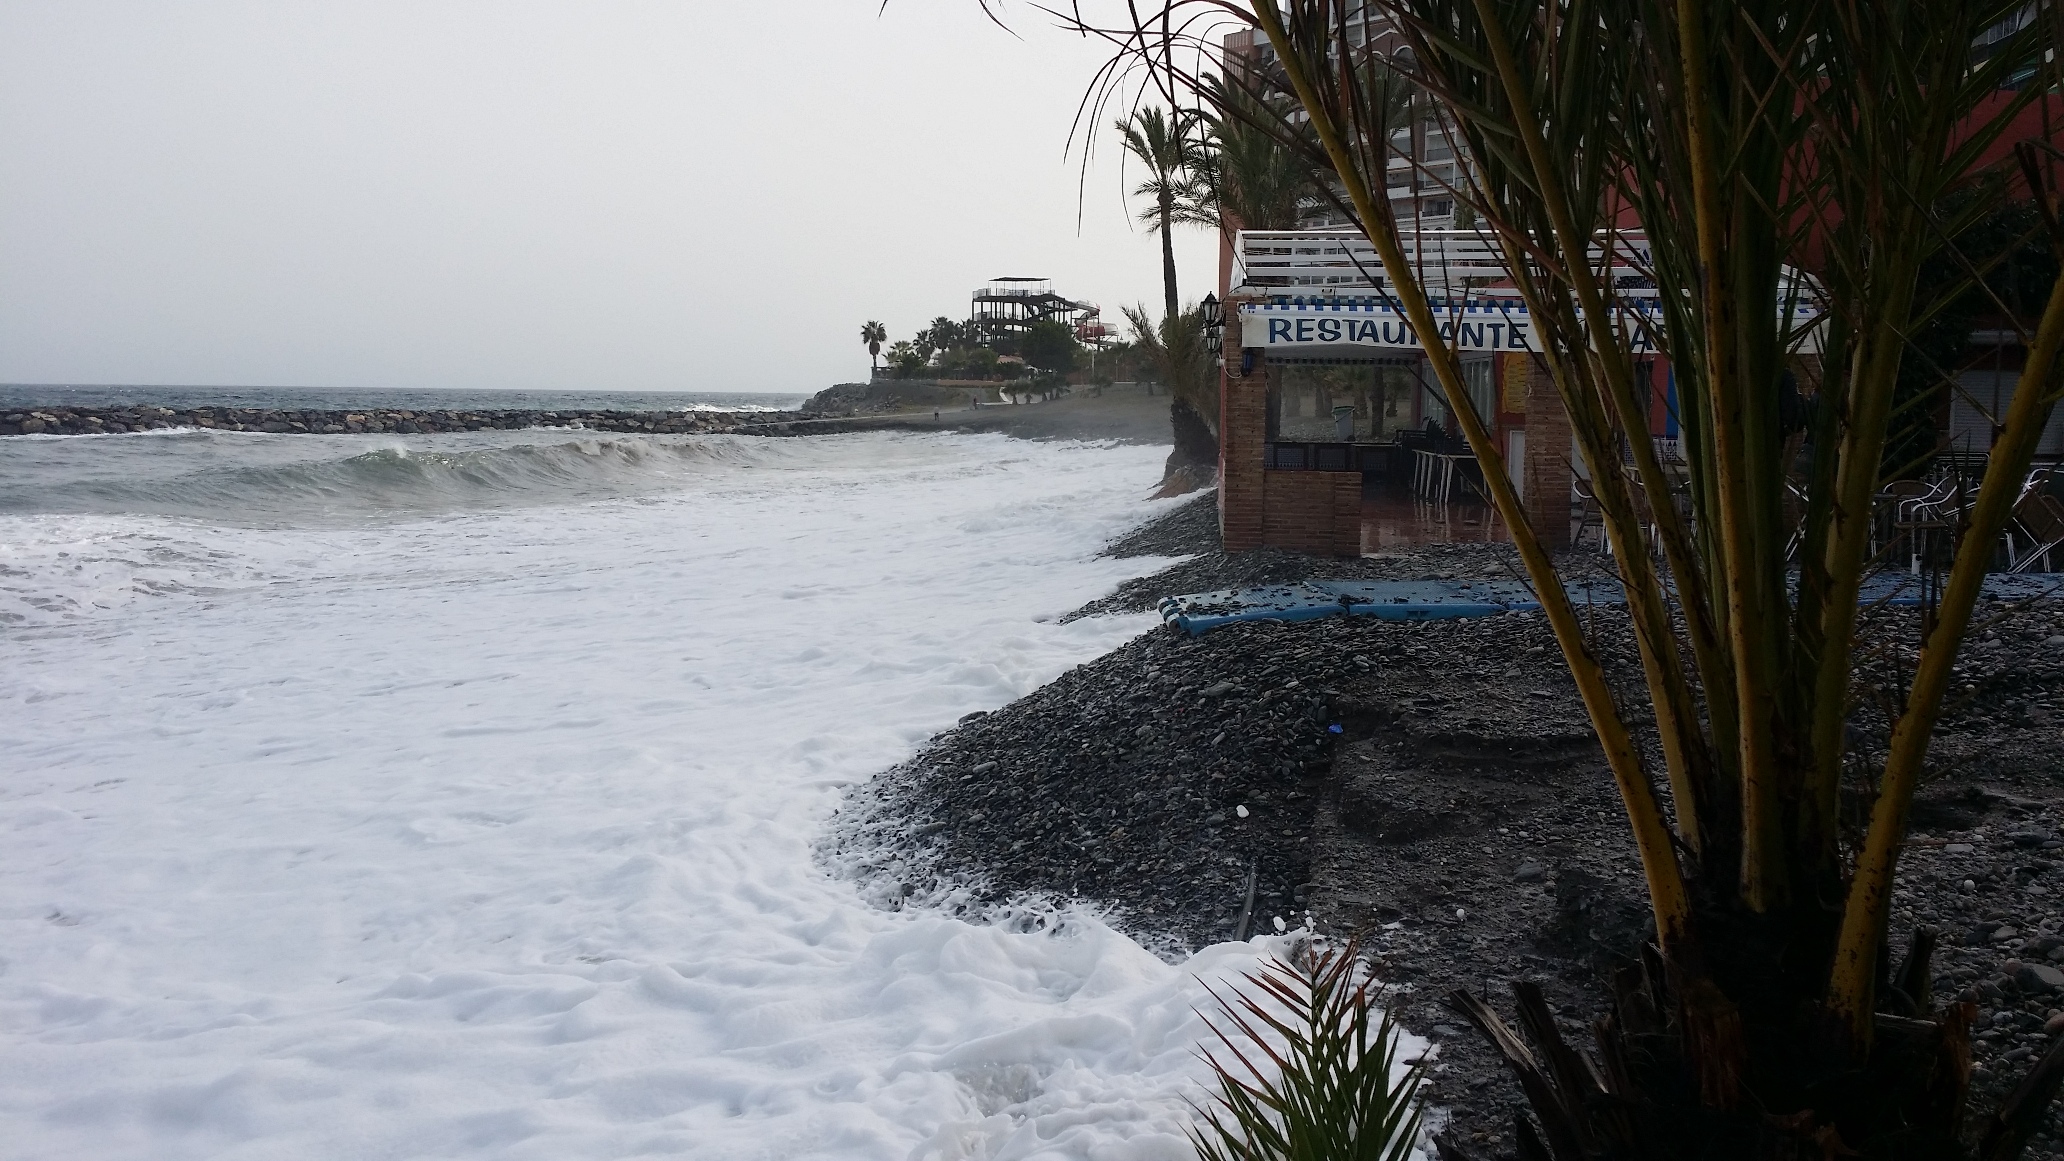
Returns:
(213, 476)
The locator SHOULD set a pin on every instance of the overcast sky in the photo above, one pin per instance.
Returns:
(682, 195)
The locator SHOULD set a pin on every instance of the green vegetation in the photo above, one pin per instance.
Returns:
(967, 363)
(1328, 1094)
(944, 334)
(1245, 179)
(1050, 346)
(1173, 354)
(906, 357)
(1748, 137)
(947, 350)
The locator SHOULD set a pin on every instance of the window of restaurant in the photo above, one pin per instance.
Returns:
(1476, 376)
(1342, 403)
(1477, 380)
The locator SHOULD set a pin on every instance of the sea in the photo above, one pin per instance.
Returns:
(15, 396)
(460, 796)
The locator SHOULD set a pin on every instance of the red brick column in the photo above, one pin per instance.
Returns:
(1242, 439)
(1299, 512)
(1347, 513)
(1546, 473)
(1312, 512)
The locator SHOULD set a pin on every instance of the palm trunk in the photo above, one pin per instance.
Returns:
(1168, 257)
(1851, 991)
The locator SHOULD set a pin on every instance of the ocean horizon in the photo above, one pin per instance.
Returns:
(16, 396)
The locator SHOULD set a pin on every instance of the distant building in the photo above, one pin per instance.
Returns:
(1006, 308)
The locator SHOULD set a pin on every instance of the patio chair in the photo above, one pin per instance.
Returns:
(2039, 522)
(1795, 505)
(1923, 519)
(1588, 518)
(1885, 511)
(1590, 515)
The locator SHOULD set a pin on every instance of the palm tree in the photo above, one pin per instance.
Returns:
(1162, 143)
(944, 334)
(1752, 138)
(1175, 351)
(1253, 168)
(874, 335)
(1246, 179)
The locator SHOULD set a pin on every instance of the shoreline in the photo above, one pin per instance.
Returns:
(1435, 788)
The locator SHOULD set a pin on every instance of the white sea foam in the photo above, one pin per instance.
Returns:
(488, 834)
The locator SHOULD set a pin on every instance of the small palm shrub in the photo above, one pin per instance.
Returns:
(1332, 1091)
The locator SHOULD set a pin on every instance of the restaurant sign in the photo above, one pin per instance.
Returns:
(1501, 326)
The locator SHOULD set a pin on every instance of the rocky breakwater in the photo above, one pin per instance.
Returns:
(887, 397)
(104, 420)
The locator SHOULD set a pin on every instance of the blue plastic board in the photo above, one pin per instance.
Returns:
(1426, 600)
(1199, 613)
(1433, 600)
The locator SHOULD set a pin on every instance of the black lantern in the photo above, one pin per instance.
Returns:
(1214, 323)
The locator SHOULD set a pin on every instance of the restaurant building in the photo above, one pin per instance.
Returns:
(1327, 399)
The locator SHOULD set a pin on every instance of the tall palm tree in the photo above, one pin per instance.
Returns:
(1162, 143)
(1253, 168)
(1247, 181)
(1244, 177)
(874, 335)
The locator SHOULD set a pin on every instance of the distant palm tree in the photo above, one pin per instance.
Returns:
(874, 335)
(1163, 144)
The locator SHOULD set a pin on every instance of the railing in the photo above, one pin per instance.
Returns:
(1346, 259)
(1448, 261)
(1328, 456)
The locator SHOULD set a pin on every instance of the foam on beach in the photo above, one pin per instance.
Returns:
(487, 832)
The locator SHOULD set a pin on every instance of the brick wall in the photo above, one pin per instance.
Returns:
(1242, 435)
(1546, 473)
(1347, 513)
(1319, 513)
(1313, 512)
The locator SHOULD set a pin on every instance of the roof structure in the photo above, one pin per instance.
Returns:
(1010, 305)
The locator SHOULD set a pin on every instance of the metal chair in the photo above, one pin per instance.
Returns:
(2039, 520)
(1923, 518)
(1795, 505)
(1885, 511)
(1588, 516)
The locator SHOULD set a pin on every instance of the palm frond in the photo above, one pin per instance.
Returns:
(1307, 1067)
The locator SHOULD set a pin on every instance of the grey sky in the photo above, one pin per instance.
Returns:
(662, 196)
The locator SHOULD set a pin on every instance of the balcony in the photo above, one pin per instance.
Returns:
(1457, 261)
